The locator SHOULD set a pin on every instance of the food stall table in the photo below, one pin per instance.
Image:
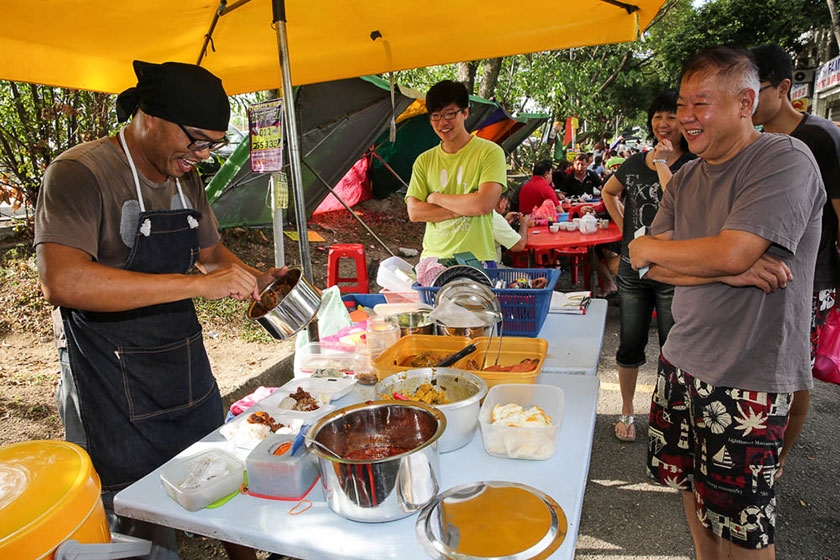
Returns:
(318, 533)
(574, 341)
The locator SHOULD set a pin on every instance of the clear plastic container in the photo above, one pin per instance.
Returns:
(522, 443)
(200, 480)
(275, 473)
(381, 333)
(363, 364)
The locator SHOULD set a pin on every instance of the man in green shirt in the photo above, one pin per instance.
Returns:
(455, 185)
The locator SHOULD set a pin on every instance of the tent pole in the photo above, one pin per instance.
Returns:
(290, 120)
(338, 198)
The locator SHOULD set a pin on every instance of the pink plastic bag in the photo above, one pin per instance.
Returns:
(827, 359)
(247, 402)
(546, 211)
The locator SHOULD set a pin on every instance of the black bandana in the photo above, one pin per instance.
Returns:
(181, 93)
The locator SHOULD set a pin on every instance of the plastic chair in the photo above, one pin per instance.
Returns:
(545, 258)
(358, 284)
(579, 258)
(519, 259)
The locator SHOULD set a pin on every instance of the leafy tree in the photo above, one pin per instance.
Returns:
(39, 122)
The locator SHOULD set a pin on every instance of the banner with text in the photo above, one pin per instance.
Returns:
(265, 129)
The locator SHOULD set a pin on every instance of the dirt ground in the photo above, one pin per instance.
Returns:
(28, 359)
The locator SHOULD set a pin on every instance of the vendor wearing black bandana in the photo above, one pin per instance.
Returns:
(119, 223)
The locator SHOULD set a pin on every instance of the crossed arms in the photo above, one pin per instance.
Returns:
(733, 257)
(439, 207)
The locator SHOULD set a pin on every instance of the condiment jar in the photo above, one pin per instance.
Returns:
(362, 363)
(381, 333)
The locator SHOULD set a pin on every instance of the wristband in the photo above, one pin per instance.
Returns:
(665, 161)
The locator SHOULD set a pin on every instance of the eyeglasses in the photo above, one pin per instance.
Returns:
(197, 145)
(762, 88)
(448, 116)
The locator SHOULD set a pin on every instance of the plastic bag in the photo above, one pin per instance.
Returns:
(827, 359)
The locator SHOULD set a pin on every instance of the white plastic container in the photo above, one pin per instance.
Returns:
(275, 473)
(396, 275)
(522, 443)
(222, 478)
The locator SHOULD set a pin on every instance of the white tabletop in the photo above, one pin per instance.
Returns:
(320, 534)
(574, 341)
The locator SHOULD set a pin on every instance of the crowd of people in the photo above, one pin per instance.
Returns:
(729, 242)
(729, 236)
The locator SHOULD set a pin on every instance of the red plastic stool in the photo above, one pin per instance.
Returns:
(578, 258)
(519, 259)
(357, 284)
(544, 258)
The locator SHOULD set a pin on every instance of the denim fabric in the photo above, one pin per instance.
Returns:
(637, 298)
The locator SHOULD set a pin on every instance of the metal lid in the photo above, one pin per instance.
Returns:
(493, 519)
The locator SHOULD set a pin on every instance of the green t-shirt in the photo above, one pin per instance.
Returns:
(480, 161)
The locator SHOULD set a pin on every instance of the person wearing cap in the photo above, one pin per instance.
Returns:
(119, 223)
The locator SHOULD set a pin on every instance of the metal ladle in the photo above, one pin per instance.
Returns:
(323, 447)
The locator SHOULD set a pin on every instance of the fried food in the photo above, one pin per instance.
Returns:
(425, 393)
(528, 364)
(425, 359)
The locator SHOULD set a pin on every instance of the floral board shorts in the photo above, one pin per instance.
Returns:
(821, 304)
(723, 444)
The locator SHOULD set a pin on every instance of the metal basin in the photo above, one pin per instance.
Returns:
(397, 471)
(414, 322)
(286, 305)
(464, 389)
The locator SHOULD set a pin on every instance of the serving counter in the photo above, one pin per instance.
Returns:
(314, 532)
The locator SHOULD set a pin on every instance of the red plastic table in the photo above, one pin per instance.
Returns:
(541, 238)
(573, 208)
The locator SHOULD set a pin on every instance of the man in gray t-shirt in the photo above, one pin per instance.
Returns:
(739, 243)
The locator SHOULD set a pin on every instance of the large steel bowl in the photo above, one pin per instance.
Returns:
(286, 305)
(379, 489)
(463, 389)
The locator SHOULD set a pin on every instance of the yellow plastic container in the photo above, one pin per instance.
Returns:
(513, 349)
(49, 493)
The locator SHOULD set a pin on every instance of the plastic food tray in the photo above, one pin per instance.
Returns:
(522, 443)
(193, 499)
(512, 350)
(524, 310)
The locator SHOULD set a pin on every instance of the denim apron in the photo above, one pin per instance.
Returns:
(142, 375)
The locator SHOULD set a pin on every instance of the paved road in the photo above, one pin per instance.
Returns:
(626, 518)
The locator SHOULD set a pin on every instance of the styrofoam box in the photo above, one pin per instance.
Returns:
(396, 275)
(522, 443)
(215, 488)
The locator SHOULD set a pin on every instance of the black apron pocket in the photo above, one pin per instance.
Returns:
(164, 379)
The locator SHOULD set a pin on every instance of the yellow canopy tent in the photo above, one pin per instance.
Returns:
(89, 44)
(250, 44)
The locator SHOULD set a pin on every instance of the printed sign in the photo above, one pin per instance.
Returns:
(265, 126)
(828, 75)
(798, 91)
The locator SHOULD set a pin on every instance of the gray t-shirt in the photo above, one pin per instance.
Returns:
(88, 198)
(740, 337)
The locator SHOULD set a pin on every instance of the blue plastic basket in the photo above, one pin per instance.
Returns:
(524, 310)
(365, 300)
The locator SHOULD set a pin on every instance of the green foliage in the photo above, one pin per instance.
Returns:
(39, 122)
(609, 87)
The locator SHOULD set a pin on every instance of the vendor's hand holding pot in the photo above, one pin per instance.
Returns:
(229, 281)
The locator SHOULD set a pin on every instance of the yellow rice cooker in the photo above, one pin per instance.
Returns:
(49, 493)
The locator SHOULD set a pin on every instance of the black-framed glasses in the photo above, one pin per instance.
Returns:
(447, 116)
(197, 145)
(762, 88)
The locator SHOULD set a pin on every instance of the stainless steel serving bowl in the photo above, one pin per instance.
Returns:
(414, 322)
(286, 305)
(379, 489)
(464, 389)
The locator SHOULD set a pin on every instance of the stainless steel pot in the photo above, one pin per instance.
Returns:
(381, 489)
(464, 389)
(286, 305)
(414, 322)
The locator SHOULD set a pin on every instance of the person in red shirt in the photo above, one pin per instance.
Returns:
(538, 189)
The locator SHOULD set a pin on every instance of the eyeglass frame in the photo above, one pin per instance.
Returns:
(198, 145)
(448, 116)
(771, 84)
